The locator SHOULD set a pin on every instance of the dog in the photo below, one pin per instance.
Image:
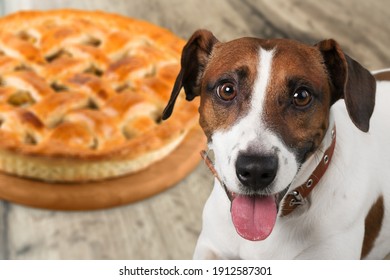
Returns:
(302, 159)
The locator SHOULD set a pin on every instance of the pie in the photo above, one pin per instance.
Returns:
(82, 94)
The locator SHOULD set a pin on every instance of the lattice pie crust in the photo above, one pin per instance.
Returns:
(82, 93)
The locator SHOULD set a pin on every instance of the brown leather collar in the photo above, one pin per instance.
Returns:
(210, 165)
(297, 196)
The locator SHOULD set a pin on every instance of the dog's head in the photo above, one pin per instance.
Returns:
(265, 105)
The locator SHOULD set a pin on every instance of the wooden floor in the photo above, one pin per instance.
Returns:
(167, 225)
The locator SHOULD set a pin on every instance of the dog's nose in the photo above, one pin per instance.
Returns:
(256, 171)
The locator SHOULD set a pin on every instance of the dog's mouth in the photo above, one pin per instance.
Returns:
(254, 216)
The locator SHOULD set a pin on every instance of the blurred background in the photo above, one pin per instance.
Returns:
(167, 225)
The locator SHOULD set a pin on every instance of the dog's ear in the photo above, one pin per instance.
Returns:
(351, 81)
(194, 59)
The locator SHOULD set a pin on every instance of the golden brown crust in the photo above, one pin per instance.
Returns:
(90, 86)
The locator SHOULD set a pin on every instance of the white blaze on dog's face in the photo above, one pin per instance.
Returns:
(251, 135)
(257, 106)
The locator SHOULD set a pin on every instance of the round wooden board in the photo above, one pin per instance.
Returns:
(114, 192)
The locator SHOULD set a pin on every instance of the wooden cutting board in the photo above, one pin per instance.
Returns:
(114, 192)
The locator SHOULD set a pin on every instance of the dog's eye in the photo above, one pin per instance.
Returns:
(227, 91)
(302, 98)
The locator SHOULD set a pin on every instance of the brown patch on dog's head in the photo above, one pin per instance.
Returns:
(206, 66)
(297, 69)
(327, 75)
(233, 63)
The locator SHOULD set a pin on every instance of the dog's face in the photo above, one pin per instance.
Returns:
(264, 110)
(265, 104)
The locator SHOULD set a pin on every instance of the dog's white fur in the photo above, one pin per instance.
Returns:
(332, 225)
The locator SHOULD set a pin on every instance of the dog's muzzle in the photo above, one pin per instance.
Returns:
(254, 216)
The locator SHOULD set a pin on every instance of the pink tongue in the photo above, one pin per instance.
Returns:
(254, 216)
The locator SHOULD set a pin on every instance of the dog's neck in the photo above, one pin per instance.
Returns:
(310, 174)
(312, 162)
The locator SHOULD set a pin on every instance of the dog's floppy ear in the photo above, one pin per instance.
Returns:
(350, 81)
(194, 59)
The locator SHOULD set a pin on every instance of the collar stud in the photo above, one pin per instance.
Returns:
(326, 159)
(309, 183)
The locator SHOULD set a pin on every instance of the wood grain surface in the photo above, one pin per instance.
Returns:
(167, 225)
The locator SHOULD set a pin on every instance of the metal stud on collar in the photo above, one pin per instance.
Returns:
(297, 200)
(309, 183)
(326, 159)
(333, 133)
